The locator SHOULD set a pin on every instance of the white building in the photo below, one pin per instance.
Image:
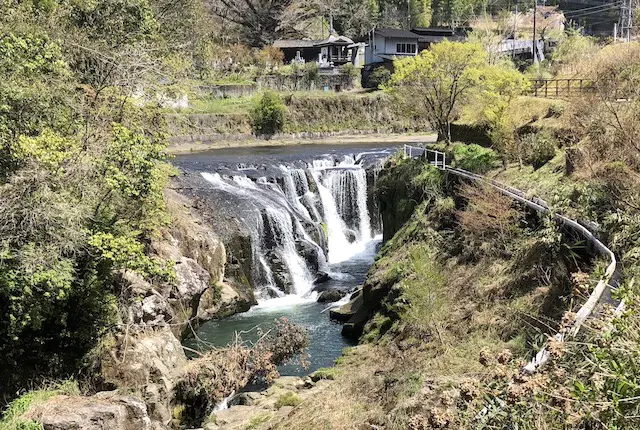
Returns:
(387, 44)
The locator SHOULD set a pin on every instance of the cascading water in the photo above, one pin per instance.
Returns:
(295, 222)
(304, 220)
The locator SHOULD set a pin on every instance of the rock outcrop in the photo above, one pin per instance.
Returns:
(104, 411)
(145, 357)
(147, 363)
(202, 292)
(331, 295)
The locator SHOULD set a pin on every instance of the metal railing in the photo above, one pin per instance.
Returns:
(608, 281)
(435, 158)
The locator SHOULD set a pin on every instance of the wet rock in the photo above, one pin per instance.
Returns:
(310, 253)
(353, 314)
(350, 235)
(345, 312)
(280, 272)
(321, 278)
(330, 296)
(201, 292)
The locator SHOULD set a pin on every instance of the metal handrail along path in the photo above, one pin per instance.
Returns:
(541, 206)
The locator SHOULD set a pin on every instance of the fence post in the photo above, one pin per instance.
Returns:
(546, 88)
(557, 88)
(568, 87)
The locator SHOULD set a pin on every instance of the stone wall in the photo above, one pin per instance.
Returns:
(301, 82)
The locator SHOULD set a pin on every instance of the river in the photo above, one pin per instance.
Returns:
(295, 187)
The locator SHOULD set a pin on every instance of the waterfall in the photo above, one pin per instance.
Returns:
(301, 221)
(279, 236)
(349, 190)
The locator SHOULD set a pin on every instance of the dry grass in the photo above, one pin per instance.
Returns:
(594, 63)
(414, 371)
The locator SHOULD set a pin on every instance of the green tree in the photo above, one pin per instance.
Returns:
(36, 93)
(438, 81)
(420, 13)
(268, 114)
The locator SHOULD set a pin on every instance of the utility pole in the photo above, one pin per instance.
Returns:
(534, 47)
(628, 9)
(515, 19)
(515, 28)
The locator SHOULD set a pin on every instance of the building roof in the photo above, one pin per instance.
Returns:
(290, 43)
(396, 33)
(436, 39)
(433, 31)
(335, 40)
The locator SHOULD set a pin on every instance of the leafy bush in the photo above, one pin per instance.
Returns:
(379, 77)
(288, 399)
(350, 70)
(311, 71)
(474, 158)
(268, 114)
(538, 148)
(556, 109)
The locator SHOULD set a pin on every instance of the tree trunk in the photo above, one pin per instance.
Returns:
(444, 133)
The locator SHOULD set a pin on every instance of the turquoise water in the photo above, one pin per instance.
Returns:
(325, 341)
(348, 270)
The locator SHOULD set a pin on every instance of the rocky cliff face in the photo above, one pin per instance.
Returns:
(203, 291)
(144, 357)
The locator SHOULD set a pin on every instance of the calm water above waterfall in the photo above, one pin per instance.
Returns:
(310, 215)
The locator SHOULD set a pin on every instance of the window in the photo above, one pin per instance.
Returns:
(406, 48)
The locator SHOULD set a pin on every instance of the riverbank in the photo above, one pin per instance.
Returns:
(329, 139)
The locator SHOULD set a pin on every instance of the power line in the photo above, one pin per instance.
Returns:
(611, 7)
(617, 3)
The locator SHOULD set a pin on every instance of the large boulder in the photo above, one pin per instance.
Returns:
(148, 363)
(345, 312)
(353, 314)
(105, 411)
(331, 295)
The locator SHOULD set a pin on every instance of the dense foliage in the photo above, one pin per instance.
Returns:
(82, 175)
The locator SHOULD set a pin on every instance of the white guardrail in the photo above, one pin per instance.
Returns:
(540, 206)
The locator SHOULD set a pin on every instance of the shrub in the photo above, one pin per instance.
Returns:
(556, 110)
(13, 419)
(350, 70)
(269, 57)
(268, 114)
(489, 222)
(538, 148)
(474, 157)
(379, 77)
(324, 373)
(288, 399)
(311, 71)
(207, 380)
